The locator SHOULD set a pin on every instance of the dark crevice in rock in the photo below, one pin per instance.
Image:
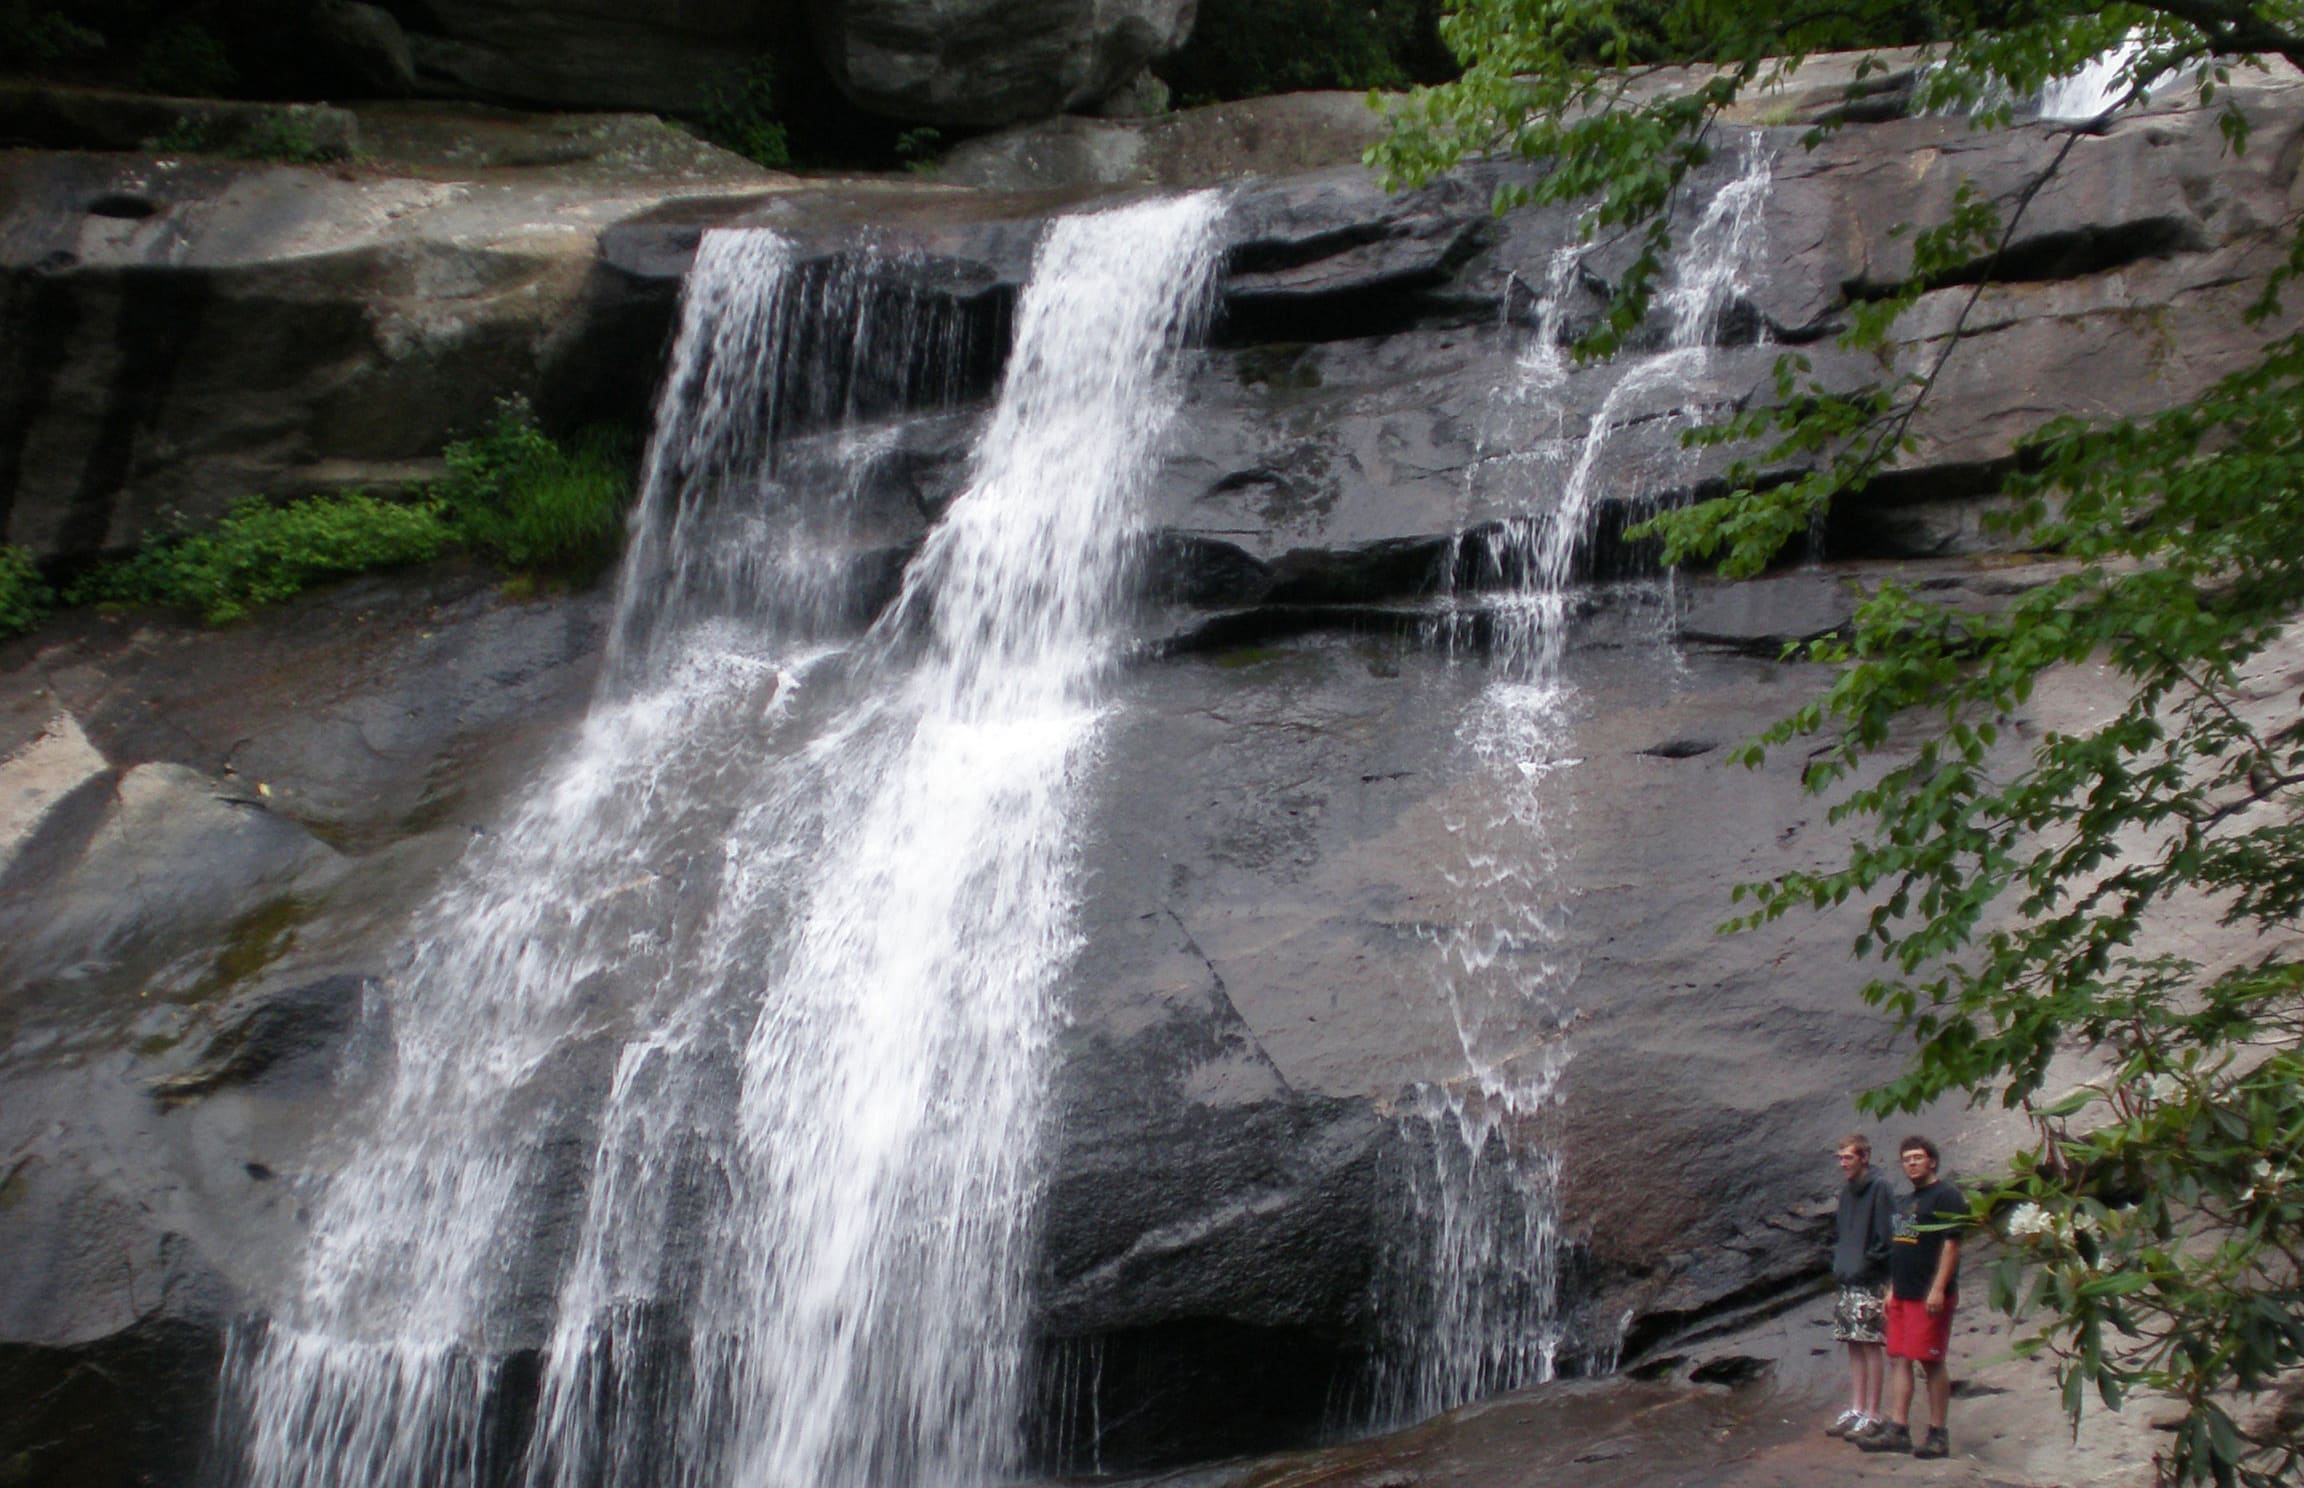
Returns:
(1680, 749)
(1661, 1367)
(1185, 1390)
(1201, 572)
(1758, 647)
(2084, 250)
(1493, 556)
(1403, 568)
(1361, 313)
(1274, 254)
(1873, 100)
(125, 1409)
(1925, 513)
(1671, 1328)
(1267, 623)
(1733, 1370)
(126, 206)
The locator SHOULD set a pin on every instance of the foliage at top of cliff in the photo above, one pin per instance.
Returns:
(147, 44)
(1249, 48)
(2006, 880)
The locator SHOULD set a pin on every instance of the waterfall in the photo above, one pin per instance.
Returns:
(718, 1073)
(1474, 1297)
(2097, 87)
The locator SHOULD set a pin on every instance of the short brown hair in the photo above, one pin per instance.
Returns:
(1919, 1144)
(1857, 1140)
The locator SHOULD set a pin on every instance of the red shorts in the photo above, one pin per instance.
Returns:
(1913, 1334)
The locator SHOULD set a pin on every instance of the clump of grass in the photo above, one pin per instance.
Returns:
(283, 136)
(534, 504)
(24, 598)
(262, 554)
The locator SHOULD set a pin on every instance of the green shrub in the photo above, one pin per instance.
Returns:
(534, 504)
(918, 149)
(23, 597)
(513, 493)
(740, 115)
(261, 554)
(286, 136)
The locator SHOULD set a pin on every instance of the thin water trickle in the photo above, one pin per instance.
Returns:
(718, 1072)
(1474, 1295)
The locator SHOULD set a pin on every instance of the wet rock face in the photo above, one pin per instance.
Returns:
(211, 847)
(986, 62)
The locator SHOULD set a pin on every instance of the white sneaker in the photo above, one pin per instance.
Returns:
(1848, 1423)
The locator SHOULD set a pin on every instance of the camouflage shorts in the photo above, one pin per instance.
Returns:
(1860, 1315)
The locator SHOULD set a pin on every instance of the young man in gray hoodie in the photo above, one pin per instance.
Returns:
(1862, 1233)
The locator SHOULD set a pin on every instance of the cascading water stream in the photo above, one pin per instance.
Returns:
(719, 1072)
(1476, 1296)
(2095, 89)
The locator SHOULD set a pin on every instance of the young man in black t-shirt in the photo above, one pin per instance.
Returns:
(1923, 1289)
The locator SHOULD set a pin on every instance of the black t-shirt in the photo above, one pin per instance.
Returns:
(1912, 1258)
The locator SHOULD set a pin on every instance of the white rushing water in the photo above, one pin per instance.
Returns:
(2096, 88)
(1476, 1294)
(718, 1074)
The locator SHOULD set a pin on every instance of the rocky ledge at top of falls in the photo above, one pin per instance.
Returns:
(209, 843)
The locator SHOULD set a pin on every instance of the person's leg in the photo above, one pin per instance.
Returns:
(1895, 1435)
(1939, 1391)
(1855, 1377)
(1869, 1361)
(1900, 1391)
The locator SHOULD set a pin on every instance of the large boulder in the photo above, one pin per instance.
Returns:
(977, 63)
(186, 334)
(604, 54)
(209, 849)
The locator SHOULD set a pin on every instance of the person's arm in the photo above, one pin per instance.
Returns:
(1880, 1230)
(1947, 1267)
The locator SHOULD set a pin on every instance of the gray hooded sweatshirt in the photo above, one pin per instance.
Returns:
(1863, 1231)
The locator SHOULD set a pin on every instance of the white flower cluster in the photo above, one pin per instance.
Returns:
(2269, 1179)
(2030, 1221)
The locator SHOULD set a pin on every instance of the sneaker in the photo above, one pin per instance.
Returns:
(1885, 1436)
(1934, 1444)
(1848, 1423)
